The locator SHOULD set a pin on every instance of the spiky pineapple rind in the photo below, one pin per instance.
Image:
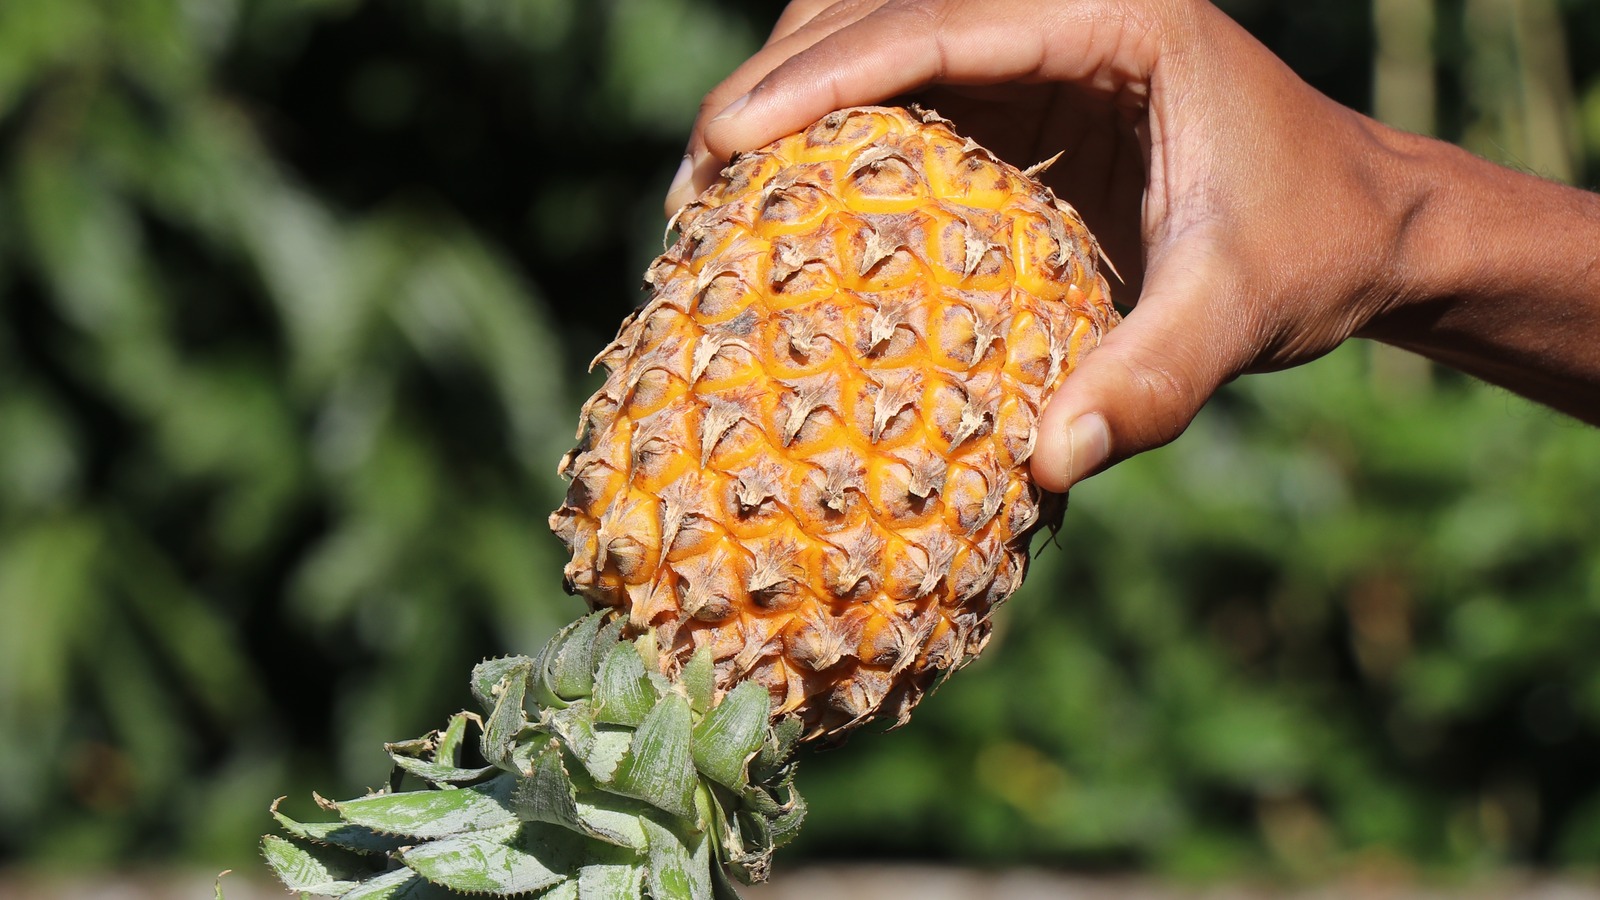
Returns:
(602, 776)
(810, 452)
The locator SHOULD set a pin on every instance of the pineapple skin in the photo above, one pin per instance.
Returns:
(810, 452)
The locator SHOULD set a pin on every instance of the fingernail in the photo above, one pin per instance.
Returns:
(1088, 445)
(732, 109)
(682, 190)
(681, 180)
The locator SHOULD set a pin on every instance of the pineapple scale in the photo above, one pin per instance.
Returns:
(810, 452)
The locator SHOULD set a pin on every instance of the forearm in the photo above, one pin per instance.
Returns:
(1498, 275)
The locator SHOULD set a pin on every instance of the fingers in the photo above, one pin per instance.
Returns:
(802, 13)
(801, 25)
(1151, 374)
(894, 50)
(862, 52)
(899, 48)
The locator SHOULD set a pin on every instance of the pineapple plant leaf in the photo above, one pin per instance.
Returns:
(310, 869)
(344, 835)
(637, 819)
(794, 506)
(433, 814)
(402, 884)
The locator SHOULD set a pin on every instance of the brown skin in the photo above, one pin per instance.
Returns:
(1258, 223)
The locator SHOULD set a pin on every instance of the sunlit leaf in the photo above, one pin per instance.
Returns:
(433, 814)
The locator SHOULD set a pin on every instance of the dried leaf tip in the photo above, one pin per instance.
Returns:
(1039, 168)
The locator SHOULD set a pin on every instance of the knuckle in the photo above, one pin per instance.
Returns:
(831, 15)
(711, 104)
(924, 13)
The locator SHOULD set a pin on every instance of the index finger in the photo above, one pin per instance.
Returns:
(801, 25)
(897, 49)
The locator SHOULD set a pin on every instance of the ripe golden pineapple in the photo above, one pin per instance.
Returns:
(797, 499)
(809, 456)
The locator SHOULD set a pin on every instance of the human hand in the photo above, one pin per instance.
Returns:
(1257, 222)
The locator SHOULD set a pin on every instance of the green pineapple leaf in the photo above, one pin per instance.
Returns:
(540, 858)
(487, 675)
(613, 819)
(775, 753)
(728, 737)
(619, 790)
(434, 814)
(312, 870)
(569, 660)
(508, 718)
(401, 884)
(438, 773)
(613, 880)
(546, 792)
(699, 679)
(659, 766)
(599, 747)
(343, 835)
(678, 871)
(454, 735)
(623, 693)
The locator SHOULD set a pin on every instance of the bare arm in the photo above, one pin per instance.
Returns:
(1259, 223)
(1501, 280)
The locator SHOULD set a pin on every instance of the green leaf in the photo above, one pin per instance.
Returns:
(599, 747)
(566, 890)
(614, 819)
(540, 858)
(434, 813)
(754, 832)
(487, 674)
(401, 884)
(610, 882)
(721, 887)
(787, 824)
(659, 766)
(313, 870)
(571, 662)
(594, 811)
(786, 733)
(439, 773)
(454, 735)
(699, 678)
(760, 800)
(434, 758)
(649, 650)
(728, 737)
(343, 835)
(508, 718)
(546, 793)
(623, 694)
(677, 871)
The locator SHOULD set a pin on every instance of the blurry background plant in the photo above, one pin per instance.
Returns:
(295, 299)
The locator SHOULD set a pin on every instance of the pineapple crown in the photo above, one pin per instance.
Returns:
(601, 777)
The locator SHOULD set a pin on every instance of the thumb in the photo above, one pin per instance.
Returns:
(1148, 379)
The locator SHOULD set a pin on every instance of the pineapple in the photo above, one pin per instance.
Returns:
(795, 503)
(810, 453)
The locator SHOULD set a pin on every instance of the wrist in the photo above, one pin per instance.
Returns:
(1495, 272)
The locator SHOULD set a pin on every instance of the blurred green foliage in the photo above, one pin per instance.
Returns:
(295, 297)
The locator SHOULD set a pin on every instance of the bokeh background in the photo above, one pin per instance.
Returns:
(296, 298)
